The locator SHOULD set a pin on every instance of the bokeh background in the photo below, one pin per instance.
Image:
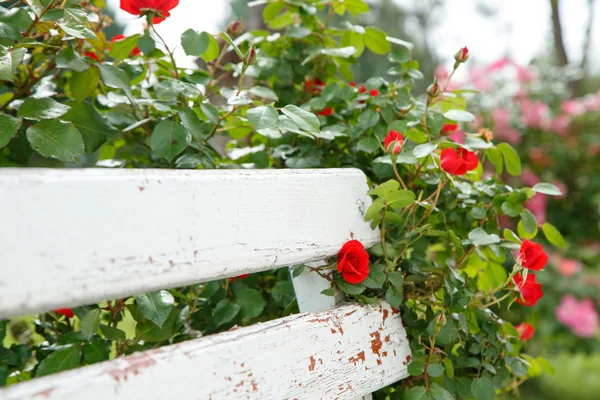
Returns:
(536, 67)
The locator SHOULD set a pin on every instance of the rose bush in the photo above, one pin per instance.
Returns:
(443, 262)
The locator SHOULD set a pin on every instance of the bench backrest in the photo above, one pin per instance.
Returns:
(80, 236)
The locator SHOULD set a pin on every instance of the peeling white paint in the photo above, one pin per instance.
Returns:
(343, 353)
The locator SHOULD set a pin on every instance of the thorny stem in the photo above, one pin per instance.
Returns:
(398, 175)
(166, 48)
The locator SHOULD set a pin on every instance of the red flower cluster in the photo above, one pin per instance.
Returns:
(326, 112)
(67, 312)
(393, 142)
(91, 54)
(531, 291)
(118, 38)
(243, 276)
(449, 128)
(532, 256)
(314, 86)
(160, 8)
(525, 330)
(353, 262)
(459, 161)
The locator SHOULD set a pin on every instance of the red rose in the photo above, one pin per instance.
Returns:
(243, 276)
(352, 84)
(353, 262)
(393, 142)
(314, 85)
(362, 89)
(67, 312)
(374, 92)
(160, 8)
(462, 55)
(326, 112)
(458, 162)
(118, 38)
(532, 255)
(525, 331)
(449, 128)
(530, 290)
(91, 55)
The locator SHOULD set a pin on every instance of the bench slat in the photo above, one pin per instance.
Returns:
(342, 353)
(78, 236)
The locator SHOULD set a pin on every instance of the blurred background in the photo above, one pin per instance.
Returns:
(536, 67)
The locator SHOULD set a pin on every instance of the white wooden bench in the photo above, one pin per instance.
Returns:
(73, 237)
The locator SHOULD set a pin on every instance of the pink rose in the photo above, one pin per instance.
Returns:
(568, 267)
(537, 205)
(480, 80)
(561, 124)
(573, 107)
(536, 114)
(529, 178)
(592, 103)
(524, 74)
(580, 317)
(499, 64)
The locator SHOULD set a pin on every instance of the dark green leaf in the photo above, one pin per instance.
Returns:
(305, 120)
(83, 84)
(112, 333)
(57, 139)
(150, 332)
(156, 306)
(194, 43)
(90, 323)
(447, 334)
(211, 112)
(283, 293)
(9, 126)
(511, 209)
(394, 297)
(396, 279)
(368, 144)
(251, 302)
(439, 393)
(168, 139)
(45, 108)
(368, 119)
(225, 311)
(349, 288)
(483, 389)
(263, 92)
(328, 292)
(61, 360)
(417, 393)
(263, 117)
(69, 59)
(416, 368)
(94, 128)
(97, 350)
(198, 129)
(116, 78)
(435, 370)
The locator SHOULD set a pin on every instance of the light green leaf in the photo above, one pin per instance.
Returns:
(417, 393)
(57, 139)
(483, 389)
(263, 92)
(212, 52)
(479, 237)
(459, 115)
(529, 222)
(423, 150)
(263, 117)
(45, 108)
(83, 84)
(229, 41)
(304, 119)
(122, 49)
(554, 236)
(376, 41)
(251, 302)
(547, 188)
(511, 236)
(385, 188)
(511, 159)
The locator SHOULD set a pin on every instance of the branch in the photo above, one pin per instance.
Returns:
(559, 44)
(588, 37)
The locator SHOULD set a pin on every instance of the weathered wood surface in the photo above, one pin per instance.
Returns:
(72, 237)
(342, 353)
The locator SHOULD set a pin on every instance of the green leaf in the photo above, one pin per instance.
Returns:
(511, 209)
(356, 7)
(354, 39)
(439, 393)
(3, 325)
(3, 375)
(263, 92)
(146, 44)
(251, 302)
(490, 277)
(349, 288)
(479, 237)
(396, 279)
(212, 52)
(423, 150)
(75, 28)
(57, 139)
(168, 139)
(115, 78)
(511, 159)
(156, 306)
(368, 119)
(523, 234)
(368, 144)
(554, 236)
(96, 351)
(263, 117)
(112, 333)
(376, 278)
(495, 157)
(374, 209)
(190, 120)
(376, 41)
(94, 128)
(416, 368)
(459, 115)
(400, 198)
(9, 127)
(148, 331)
(385, 188)
(449, 367)
(394, 297)
(305, 120)
(61, 360)
(45, 108)
(90, 323)
(211, 112)
(121, 49)
(483, 389)
(233, 45)
(194, 43)
(83, 84)
(511, 236)
(67, 58)
(417, 393)
(447, 334)
(547, 188)
(529, 222)
(435, 370)
(328, 292)
(225, 311)
(283, 293)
